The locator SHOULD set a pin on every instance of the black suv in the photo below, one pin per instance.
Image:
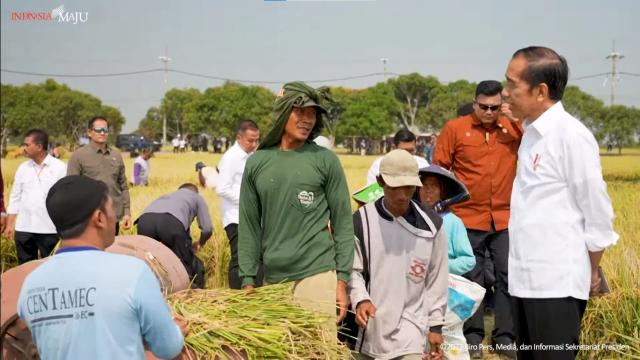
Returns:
(132, 142)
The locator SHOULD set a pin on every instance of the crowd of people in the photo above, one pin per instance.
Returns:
(503, 183)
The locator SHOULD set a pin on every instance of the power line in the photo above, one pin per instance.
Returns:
(588, 76)
(220, 78)
(188, 73)
(81, 75)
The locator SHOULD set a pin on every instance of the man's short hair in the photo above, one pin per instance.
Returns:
(39, 137)
(488, 88)
(403, 135)
(544, 65)
(189, 186)
(94, 119)
(72, 200)
(245, 125)
(465, 109)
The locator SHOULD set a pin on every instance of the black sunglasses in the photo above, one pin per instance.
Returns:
(485, 107)
(101, 130)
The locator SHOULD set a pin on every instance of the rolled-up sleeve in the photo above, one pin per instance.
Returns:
(15, 199)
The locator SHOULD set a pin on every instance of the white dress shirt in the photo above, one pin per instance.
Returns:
(560, 209)
(374, 170)
(29, 192)
(230, 170)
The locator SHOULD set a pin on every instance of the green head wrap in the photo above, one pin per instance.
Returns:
(296, 94)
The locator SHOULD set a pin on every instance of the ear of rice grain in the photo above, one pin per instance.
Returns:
(264, 323)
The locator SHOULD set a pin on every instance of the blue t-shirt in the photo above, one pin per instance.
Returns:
(461, 258)
(95, 305)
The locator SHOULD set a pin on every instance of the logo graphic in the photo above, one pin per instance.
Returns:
(418, 268)
(305, 198)
(58, 15)
(536, 161)
(57, 12)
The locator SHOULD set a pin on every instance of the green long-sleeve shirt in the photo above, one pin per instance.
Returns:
(287, 199)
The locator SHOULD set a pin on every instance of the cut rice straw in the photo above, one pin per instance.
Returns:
(265, 323)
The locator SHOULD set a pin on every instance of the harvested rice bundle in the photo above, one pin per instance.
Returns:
(265, 323)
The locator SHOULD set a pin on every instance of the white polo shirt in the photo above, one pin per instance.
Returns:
(231, 168)
(31, 185)
(560, 209)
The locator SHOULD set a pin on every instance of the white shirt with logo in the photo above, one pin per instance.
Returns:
(560, 209)
(231, 168)
(31, 185)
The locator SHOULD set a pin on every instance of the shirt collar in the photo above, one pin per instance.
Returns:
(76, 248)
(387, 215)
(499, 123)
(547, 120)
(97, 149)
(46, 161)
(240, 150)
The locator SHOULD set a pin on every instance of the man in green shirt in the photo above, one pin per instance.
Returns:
(291, 190)
(100, 161)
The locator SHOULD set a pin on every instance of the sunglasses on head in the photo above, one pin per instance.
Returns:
(485, 107)
(101, 130)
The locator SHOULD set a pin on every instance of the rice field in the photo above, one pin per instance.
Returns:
(613, 320)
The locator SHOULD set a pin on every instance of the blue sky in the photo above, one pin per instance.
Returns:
(308, 40)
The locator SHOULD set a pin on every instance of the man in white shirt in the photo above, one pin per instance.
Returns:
(231, 168)
(207, 175)
(561, 216)
(142, 168)
(405, 140)
(176, 143)
(28, 220)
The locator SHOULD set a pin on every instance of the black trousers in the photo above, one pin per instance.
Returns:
(29, 244)
(497, 243)
(170, 231)
(549, 322)
(235, 282)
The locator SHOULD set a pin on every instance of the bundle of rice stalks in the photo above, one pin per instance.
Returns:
(264, 323)
(8, 257)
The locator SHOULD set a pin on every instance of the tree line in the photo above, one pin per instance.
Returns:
(56, 108)
(414, 101)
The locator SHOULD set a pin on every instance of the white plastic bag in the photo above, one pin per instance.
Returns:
(464, 299)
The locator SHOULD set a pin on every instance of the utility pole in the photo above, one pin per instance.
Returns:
(614, 56)
(384, 67)
(165, 61)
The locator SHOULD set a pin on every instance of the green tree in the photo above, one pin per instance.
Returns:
(413, 92)
(174, 105)
(60, 110)
(341, 100)
(444, 103)
(619, 125)
(586, 108)
(370, 112)
(151, 125)
(219, 109)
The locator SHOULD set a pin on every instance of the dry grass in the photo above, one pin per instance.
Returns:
(614, 319)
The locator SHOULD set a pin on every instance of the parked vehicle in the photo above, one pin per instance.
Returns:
(133, 142)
